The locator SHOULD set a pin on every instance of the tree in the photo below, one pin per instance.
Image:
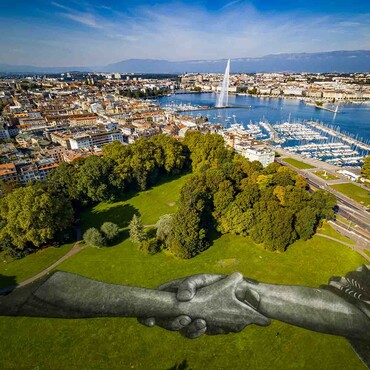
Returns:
(94, 237)
(96, 180)
(63, 180)
(136, 227)
(305, 222)
(144, 162)
(164, 227)
(300, 182)
(110, 230)
(188, 237)
(235, 221)
(7, 187)
(121, 156)
(366, 168)
(273, 225)
(223, 197)
(323, 202)
(31, 217)
(174, 156)
(206, 149)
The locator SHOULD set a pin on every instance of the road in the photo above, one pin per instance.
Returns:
(347, 207)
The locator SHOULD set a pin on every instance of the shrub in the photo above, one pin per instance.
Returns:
(150, 246)
(94, 237)
(110, 230)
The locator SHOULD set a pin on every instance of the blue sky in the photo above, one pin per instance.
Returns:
(91, 32)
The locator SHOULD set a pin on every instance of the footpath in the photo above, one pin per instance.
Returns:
(75, 249)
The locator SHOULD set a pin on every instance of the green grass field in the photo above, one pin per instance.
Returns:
(150, 205)
(354, 192)
(328, 230)
(15, 271)
(298, 164)
(115, 343)
(326, 175)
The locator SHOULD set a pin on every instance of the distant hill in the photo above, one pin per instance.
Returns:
(11, 68)
(333, 61)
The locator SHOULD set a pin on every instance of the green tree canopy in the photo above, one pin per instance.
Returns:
(30, 216)
(206, 149)
(110, 230)
(164, 227)
(94, 237)
(136, 227)
(366, 168)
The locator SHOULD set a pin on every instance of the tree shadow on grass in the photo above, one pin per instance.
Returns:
(181, 366)
(7, 284)
(165, 178)
(135, 191)
(213, 235)
(120, 214)
(120, 238)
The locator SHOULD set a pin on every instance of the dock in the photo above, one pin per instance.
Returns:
(343, 137)
(214, 108)
(322, 107)
(328, 109)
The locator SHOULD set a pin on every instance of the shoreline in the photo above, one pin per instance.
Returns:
(267, 96)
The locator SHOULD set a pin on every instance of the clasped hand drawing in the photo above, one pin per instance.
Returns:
(211, 304)
(207, 304)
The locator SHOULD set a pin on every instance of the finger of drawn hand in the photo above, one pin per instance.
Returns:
(194, 330)
(186, 288)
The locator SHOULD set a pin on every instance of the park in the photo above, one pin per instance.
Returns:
(124, 343)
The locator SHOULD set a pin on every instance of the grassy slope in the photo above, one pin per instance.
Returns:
(150, 205)
(328, 230)
(298, 164)
(12, 272)
(354, 192)
(123, 343)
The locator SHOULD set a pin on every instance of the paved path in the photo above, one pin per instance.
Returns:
(75, 249)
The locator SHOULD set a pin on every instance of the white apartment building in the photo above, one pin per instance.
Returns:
(263, 155)
(96, 139)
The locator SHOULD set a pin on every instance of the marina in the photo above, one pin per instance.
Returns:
(288, 123)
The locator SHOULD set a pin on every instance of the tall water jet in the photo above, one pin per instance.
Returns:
(223, 98)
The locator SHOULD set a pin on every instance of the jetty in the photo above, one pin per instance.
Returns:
(342, 136)
(335, 111)
(194, 109)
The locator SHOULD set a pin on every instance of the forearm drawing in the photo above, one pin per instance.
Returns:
(206, 304)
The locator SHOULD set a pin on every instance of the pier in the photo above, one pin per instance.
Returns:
(322, 107)
(343, 137)
(213, 108)
(326, 108)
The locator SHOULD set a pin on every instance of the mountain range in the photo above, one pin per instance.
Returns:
(332, 61)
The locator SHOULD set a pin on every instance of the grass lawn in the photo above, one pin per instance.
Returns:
(326, 175)
(15, 271)
(150, 205)
(354, 192)
(328, 230)
(298, 164)
(118, 343)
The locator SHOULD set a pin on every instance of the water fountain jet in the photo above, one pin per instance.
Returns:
(223, 98)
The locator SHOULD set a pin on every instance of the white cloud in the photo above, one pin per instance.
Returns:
(231, 3)
(178, 32)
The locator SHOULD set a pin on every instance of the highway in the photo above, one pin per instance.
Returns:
(347, 208)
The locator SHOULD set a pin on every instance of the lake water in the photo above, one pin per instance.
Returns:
(351, 118)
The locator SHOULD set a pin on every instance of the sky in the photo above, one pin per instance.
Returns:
(100, 32)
